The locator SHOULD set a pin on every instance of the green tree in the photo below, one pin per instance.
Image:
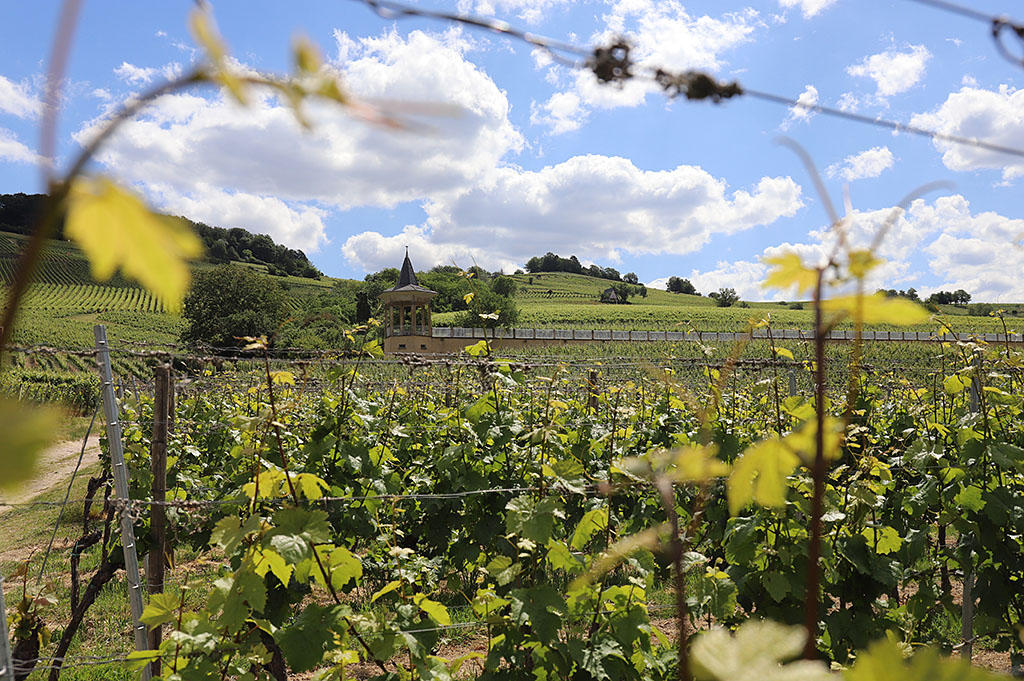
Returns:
(677, 285)
(504, 286)
(725, 297)
(230, 301)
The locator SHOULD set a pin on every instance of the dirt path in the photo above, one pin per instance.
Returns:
(54, 467)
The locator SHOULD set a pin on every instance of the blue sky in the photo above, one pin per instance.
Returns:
(540, 157)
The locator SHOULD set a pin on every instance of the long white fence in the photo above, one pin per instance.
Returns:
(777, 334)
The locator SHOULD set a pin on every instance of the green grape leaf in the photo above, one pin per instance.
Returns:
(754, 652)
(953, 384)
(877, 309)
(269, 560)
(311, 486)
(889, 660)
(533, 520)
(345, 567)
(503, 569)
(759, 475)
(436, 611)
(229, 532)
(888, 539)
(115, 229)
(593, 521)
(777, 586)
(27, 431)
(386, 589)
(305, 640)
(161, 609)
(790, 271)
(970, 498)
(561, 558)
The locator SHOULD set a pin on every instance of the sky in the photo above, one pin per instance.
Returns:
(508, 154)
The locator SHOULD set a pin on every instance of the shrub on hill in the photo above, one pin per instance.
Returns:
(230, 301)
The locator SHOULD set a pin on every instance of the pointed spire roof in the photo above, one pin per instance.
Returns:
(407, 278)
(408, 275)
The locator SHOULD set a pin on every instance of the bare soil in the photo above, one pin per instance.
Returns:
(55, 465)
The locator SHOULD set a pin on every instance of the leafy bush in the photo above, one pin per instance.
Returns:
(228, 302)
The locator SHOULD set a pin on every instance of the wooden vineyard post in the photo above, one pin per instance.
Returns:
(967, 600)
(6, 662)
(792, 382)
(170, 398)
(592, 392)
(967, 612)
(120, 471)
(157, 512)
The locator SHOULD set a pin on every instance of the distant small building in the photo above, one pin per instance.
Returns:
(610, 296)
(407, 322)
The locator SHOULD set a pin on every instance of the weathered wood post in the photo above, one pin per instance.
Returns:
(592, 392)
(158, 512)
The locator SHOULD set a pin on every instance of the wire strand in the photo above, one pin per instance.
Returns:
(612, 64)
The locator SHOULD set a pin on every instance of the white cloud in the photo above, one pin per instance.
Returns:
(869, 163)
(594, 206)
(18, 100)
(563, 112)
(848, 102)
(13, 150)
(742, 275)
(299, 227)
(809, 97)
(810, 8)
(980, 253)
(996, 117)
(664, 35)
(186, 144)
(893, 71)
(530, 11)
(139, 75)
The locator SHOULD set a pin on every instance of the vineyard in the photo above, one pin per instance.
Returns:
(510, 518)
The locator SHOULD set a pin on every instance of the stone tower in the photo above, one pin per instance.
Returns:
(407, 323)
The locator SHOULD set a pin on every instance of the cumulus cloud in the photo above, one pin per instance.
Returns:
(994, 116)
(300, 227)
(893, 71)
(139, 75)
(594, 206)
(13, 150)
(743, 275)
(809, 97)
(665, 35)
(17, 99)
(186, 144)
(869, 163)
(563, 112)
(809, 8)
(978, 252)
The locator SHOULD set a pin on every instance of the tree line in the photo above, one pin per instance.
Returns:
(18, 214)
(958, 297)
(549, 262)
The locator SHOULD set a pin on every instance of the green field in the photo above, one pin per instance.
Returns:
(568, 301)
(64, 303)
